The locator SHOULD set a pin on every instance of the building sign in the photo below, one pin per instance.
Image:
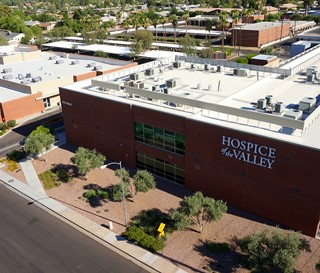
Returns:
(249, 152)
(66, 103)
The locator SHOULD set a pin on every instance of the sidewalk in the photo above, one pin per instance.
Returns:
(35, 192)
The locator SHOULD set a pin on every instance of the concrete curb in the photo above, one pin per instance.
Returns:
(124, 247)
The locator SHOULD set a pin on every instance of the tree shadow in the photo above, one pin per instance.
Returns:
(221, 260)
(65, 172)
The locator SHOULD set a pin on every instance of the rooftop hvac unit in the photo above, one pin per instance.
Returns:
(241, 72)
(149, 72)
(311, 78)
(166, 90)
(28, 75)
(178, 64)
(59, 61)
(98, 67)
(207, 67)
(172, 83)
(136, 76)
(7, 70)
(128, 84)
(20, 77)
(75, 62)
(307, 104)
(36, 79)
(155, 88)
(52, 57)
(138, 85)
(279, 107)
(312, 70)
(261, 104)
(269, 99)
(219, 68)
(7, 77)
(293, 114)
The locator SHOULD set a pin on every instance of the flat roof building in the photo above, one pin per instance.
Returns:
(30, 80)
(242, 133)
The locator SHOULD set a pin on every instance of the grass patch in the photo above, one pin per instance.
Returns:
(54, 178)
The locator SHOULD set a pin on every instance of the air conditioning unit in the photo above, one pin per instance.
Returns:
(293, 114)
(220, 68)
(75, 62)
(149, 72)
(312, 70)
(178, 64)
(261, 104)
(307, 104)
(7, 70)
(279, 107)
(98, 67)
(311, 78)
(240, 72)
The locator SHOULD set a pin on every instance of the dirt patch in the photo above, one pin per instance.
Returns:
(184, 248)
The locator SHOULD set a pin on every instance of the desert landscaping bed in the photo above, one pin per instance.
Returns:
(184, 248)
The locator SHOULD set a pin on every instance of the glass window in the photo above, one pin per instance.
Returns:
(160, 138)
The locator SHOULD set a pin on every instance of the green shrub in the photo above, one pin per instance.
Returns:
(3, 126)
(149, 242)
(49, 179)
(11, 123)
(103, 194)
(217, 247)
(242, 60)
(250, 56)
(90, 194)
(62, 175)
(12, 165)
(228, 51)
(318, 266)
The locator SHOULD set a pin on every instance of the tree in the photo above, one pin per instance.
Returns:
(188, 45)
(174, 21)
(223, 23)
(266, 50)
(200, 210)
(186, 17)
(38, 141)
(154, 21)
(163, 21)
(276, 250)
(142, 41)
(87, 160)
(143, 181)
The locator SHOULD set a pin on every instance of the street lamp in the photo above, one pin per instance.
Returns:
(122, 185)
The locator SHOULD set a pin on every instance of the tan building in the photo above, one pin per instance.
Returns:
(30, 81)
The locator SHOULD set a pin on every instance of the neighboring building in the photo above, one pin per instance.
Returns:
(30, 80)
(258, 34)
(47, 26)
(246, 134)
(12, 37)
(287, 7)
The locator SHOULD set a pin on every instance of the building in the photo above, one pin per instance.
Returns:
(242, 133)
(30, 79)
(258, 34)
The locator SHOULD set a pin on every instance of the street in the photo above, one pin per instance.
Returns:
(12, 140)
(32, 240)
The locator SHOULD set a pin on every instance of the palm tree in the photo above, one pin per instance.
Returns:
(163, 21)
(223, 23)
(154, 22)
(174, 21)
(186, 17)
(146, 23)
(209, 24)
(235, 18)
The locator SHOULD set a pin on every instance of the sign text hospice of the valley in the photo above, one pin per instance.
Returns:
(249, 152)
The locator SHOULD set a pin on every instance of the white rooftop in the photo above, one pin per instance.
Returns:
(223, 98)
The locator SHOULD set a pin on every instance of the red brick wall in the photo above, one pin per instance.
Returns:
(256, 38)
(22, 107)
(286, 194)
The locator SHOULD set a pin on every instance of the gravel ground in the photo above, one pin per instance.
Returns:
(184, 248)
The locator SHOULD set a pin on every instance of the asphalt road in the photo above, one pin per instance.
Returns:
(33, 241)
(11, 141)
